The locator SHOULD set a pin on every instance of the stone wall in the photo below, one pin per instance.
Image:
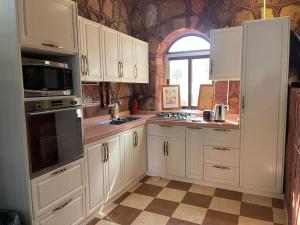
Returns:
(114, 14)
(155, 20)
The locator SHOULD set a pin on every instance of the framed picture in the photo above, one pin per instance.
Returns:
(206, 96)
(170, 97)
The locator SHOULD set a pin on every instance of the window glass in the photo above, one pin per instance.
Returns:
(190, 43)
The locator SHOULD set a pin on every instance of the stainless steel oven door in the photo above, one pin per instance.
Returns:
(54, 138)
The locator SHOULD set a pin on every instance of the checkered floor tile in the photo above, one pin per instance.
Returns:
(164, 202)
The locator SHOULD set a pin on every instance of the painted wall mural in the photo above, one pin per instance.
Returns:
(154, 21)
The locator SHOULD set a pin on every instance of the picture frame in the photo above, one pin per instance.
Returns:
(171, 97)
(206, 96)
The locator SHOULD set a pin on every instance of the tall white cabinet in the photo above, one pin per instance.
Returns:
(264, 97)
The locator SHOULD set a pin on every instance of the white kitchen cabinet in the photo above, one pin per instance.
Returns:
(71, 212)
(45, 194)
(226, 53)
(48, 25)
(126, 57)
(175, 152)
(111, 56)
(141, 61)
(95, 176)
(194, 153)
(221, 174)
(90, 42)
(264, 86)
(114, 173)
(134, 153)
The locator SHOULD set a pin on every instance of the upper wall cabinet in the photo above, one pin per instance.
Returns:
(90, 49)
(226, 53)
(141, 61)
(48, 25)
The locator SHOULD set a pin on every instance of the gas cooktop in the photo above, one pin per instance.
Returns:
(174, 115)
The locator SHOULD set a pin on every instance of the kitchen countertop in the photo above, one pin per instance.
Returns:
(95, 130)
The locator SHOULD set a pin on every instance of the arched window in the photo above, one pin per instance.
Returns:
(188, 66)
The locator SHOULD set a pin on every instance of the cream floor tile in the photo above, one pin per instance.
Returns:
(104, 222)
(136, 186)
(200, 189)
(257, 200)
(190, 213)
(250, 221)
(157, 181)
(225, 205)
(279, 216)
(104, 210)
(147, 218)
(171, 194)
(137, 201)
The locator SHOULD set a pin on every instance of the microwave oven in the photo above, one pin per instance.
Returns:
(42, 78)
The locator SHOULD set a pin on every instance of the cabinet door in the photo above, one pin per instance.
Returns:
(93, 60)
(114, 178)
(140, 151)
(194, 153)
(128, 156)
(175, 157)
(141, 66)
(126, 53)
(48, 25)
(82, 47)
(226, 53)
(111, 55)
(266, 45)
(95, 177)
(156, 155)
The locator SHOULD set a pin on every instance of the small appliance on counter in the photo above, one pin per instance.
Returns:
(208, 115)
(220, 110)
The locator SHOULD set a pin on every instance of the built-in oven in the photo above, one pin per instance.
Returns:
(42, 78)
(54, 134)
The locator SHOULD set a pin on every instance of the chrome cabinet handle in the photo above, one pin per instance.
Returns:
(104, 152)
(59, 171)
(136, 74)
(222, 167)
(167, 148)
(164, 148)
(82, 65)
(107, 149)
(221, 149)
(195, 128)
(87, 66)
(166, 125)
(119, 69)
(62, 205)
(52, 45)
(211, 67)
(217, 129)
(122, 72)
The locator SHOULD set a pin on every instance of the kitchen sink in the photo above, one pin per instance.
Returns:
(121, 120)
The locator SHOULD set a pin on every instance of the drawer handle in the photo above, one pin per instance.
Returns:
(62, 205)
(59, 171)
(52, 45)
(166, 125)
(195, 128)
(222, 167)
(217, 129)
(221, 149)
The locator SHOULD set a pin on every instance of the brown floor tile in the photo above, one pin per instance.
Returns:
(277, 203)
(144, 179)
(233, 195)
(120, 199)
(123, 215)
(94, 221)
(179, 185)
(257, 211)
(163, 207)
(173, 221)
(197, 199)
(219, 218)
(148, 189)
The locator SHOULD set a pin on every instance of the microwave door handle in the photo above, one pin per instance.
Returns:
(51, 111)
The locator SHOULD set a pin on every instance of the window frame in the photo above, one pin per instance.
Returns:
(186, 55)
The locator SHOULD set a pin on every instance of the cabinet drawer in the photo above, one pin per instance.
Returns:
(222, 137)
(69, 212)
(56, 186)
(222, 155)
(166, 131)
(221, 174)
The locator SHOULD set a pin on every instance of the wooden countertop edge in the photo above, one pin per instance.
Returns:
(100, 132)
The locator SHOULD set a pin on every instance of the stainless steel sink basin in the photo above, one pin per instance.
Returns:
(121, 120)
